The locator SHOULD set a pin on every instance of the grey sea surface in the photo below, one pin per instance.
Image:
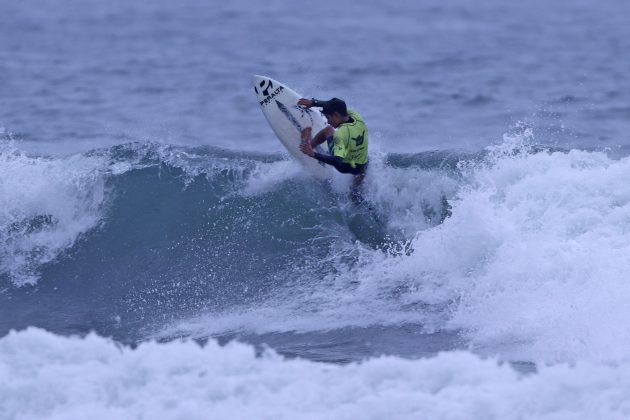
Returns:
(425, 75)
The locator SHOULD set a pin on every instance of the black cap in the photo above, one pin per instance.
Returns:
(335, 105)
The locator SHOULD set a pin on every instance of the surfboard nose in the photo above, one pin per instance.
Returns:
(257, 79)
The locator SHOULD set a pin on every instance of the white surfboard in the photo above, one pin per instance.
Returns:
(279, 105)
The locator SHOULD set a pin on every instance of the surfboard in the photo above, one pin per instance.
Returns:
(278, 103)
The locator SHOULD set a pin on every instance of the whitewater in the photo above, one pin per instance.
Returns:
(92, 377)
(161, 256)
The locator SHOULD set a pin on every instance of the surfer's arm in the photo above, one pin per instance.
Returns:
(319, 138)
(335, 161)
(318, 103)
(338, 163)
(309, 103)
(330, 160)
(322, 135)
(307, 145)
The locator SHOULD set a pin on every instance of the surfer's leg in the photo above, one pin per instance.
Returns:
(445, 210)
(355, 189)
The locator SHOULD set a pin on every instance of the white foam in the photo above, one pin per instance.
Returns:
(551, 233)
(535, 259)
(265, 177)
(44, 376)
(532, 265)
(409, 198)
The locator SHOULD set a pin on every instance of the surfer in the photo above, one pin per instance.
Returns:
(347, 139)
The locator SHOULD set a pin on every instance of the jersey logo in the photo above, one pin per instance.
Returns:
(359, 139)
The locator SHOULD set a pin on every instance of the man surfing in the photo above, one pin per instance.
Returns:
(347, 139)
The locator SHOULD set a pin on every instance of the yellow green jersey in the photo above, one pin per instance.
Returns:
(350, 142)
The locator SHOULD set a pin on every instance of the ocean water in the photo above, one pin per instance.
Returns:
(162, 257)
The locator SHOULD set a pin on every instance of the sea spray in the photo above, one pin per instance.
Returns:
(46, 204)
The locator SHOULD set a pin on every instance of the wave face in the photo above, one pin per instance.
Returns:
(121, 238)
(516, 251)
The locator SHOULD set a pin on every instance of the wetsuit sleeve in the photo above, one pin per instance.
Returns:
(337, 162)
(318, 103)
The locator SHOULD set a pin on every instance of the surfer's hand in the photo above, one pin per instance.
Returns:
(306, 146)
(307, 149)
(307, 103)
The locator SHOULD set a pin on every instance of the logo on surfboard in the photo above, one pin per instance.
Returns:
(268, 91)
(264, 89)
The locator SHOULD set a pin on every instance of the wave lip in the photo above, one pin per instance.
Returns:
(45, 205)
